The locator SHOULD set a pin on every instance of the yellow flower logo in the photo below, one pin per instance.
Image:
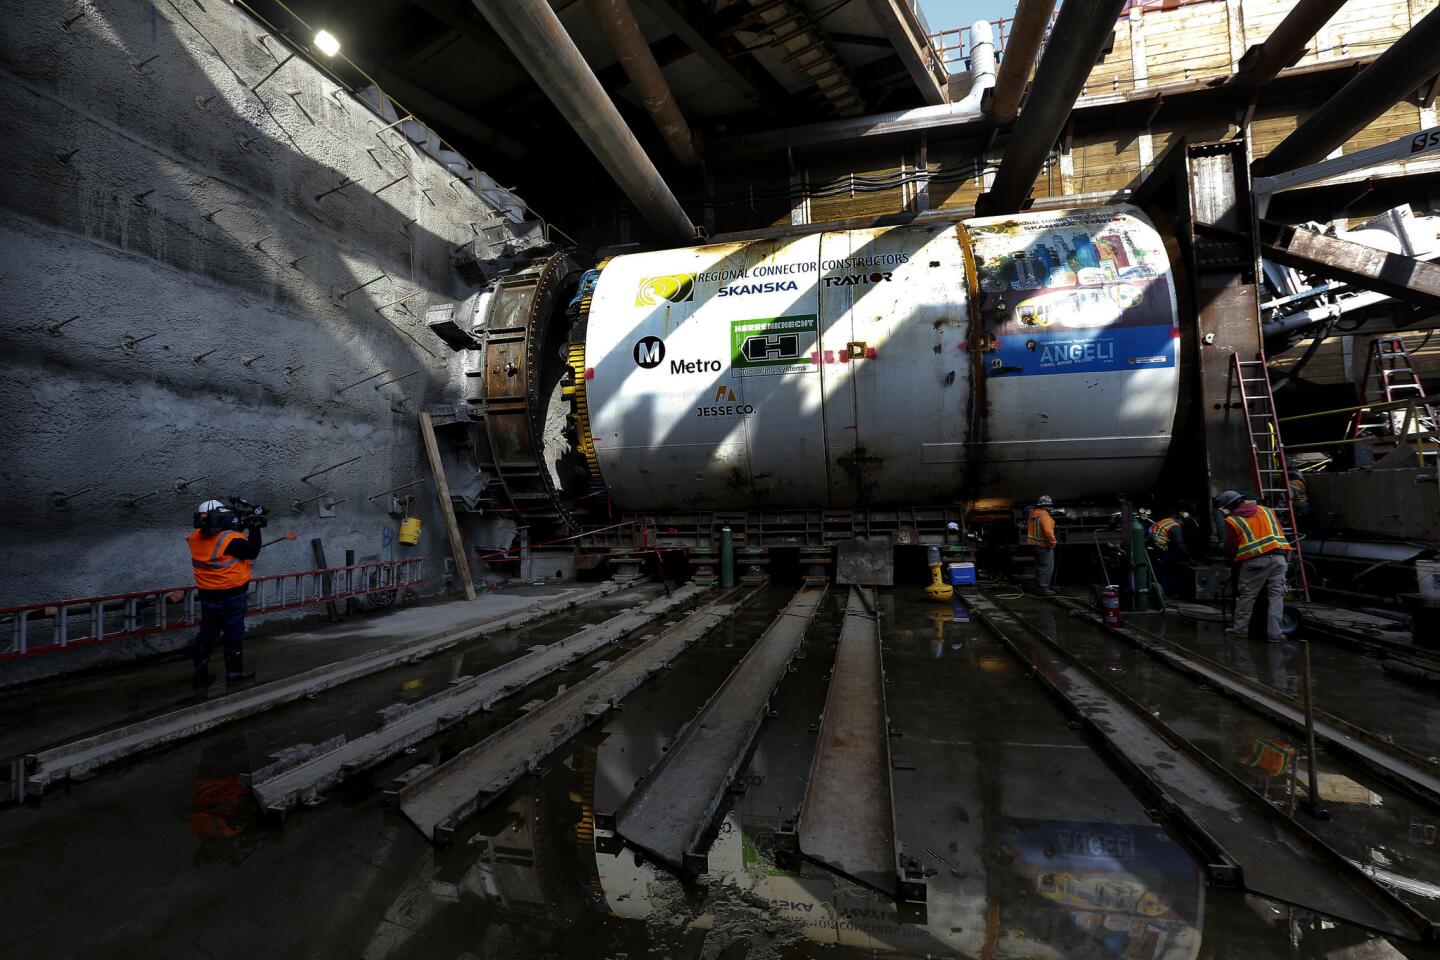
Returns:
(675, 287)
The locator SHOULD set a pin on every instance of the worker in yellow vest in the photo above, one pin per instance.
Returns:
(220, 556)
(1168, 538)
(1256, 545)
(1040, 534)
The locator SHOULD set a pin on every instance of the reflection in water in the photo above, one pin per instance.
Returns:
(1061, 889)
(1033, 848)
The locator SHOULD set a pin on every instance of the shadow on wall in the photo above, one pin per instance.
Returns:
(206, 276)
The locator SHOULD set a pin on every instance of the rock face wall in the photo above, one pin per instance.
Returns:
(208, 273)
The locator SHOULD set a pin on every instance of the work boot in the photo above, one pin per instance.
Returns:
(202, 678)
(239, 676)
(1234, 634)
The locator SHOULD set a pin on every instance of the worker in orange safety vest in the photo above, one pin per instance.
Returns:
(1256, 545)
(1168, 538)
(220, 556)
(1040, 534)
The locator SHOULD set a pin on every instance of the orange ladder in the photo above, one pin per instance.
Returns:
(1388, 366)
(1267, 454)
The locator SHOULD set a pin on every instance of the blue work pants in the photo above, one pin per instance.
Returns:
(225, 617)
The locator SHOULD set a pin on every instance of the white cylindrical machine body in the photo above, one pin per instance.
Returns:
(991, 360)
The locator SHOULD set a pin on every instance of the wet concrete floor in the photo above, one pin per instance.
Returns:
(1348, 681)
(1034, 845)
(1372, 824)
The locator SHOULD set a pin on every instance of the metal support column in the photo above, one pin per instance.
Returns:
(1027, 31)
(1286, 43)
(1204, 190)
(638, 62)
(1395, 74)
(1085, 26)
(536, 36)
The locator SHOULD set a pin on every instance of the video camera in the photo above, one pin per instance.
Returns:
(249, 516)
(240, 515)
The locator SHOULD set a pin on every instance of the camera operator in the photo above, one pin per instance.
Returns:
(221, 557)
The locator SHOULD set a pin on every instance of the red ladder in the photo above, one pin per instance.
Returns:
(1267, 453)
(1394, 378)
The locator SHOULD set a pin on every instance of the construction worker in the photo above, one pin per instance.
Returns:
(1299, 494)
(1256, 545)
(1040, 533)
(220, 556)
(1168, 536)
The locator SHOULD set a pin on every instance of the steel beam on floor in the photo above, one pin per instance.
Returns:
(1400, 766)
(1238, 833)
(847, 819)
(438, 799)
(304, 773)
(672, 809)
(84, 757)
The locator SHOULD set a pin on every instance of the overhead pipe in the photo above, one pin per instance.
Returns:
(1027, 32)
(1081, 31)
(1399, 71)
(1286, 43)
(536, 36)
(638, 62)
(982, 78)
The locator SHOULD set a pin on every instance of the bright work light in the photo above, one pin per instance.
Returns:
(326, 43)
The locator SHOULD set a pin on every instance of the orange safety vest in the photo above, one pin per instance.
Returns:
(213, 569)
(1163, 531)
(1258, 534)
(1271, 757)
(1040, 534)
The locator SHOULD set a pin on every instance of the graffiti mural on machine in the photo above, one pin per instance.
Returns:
(775, 345)
(1078, 292)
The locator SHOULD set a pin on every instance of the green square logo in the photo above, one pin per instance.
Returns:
(774, 345)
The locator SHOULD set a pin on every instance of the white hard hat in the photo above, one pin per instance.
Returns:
(209, 505)
(1045, 500)
(952, 525)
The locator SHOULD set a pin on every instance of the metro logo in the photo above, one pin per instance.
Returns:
(674, 287)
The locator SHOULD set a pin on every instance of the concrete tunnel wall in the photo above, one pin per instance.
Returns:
(171, 211)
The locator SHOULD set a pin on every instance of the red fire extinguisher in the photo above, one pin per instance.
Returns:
(1110, 606)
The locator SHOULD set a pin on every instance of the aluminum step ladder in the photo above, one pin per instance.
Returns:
(1390, 376)
(1268, 468)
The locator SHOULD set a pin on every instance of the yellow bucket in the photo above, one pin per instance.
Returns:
(410, 531)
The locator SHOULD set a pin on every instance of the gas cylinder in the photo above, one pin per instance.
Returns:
(1110, 605)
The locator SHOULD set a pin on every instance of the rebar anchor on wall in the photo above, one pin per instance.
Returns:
(339, 298)
(300, 505)
(309, 476)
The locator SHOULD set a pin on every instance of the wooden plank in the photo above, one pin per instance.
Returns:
(317, 547)
(1235, 29)
(1114, 73)
(1139, 68)
(447, 510)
